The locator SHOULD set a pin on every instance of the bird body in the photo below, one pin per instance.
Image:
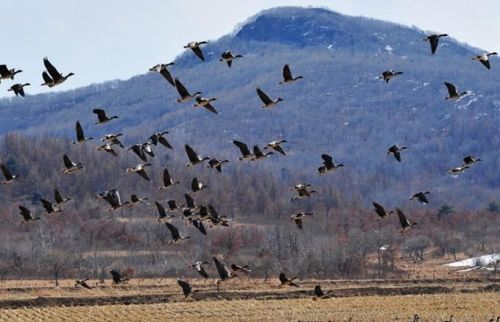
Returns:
(198, 266)
(194, 158)
(18, 89)
(245, 152)
(434, 41)
(268, 102)
(485, 59)
(197, 185)
(102, 117)
(287, 281)
(328, 165)
(6, 73)
(140, 170)
(176, 236)
(83, 283)
(228, 57)
(26, 214)
(107, 147)
(80, 136)
(457, 170)
(276, 146)
(453, 93)
(421, 197)
(403, 221)
(184, 94)
(118, 277)
(159, 137)
(167, 180)
(216, 164)
(396, 151)
(298, 217)
(70, 166)
(52, 77)
(205, 102)
(49, 207)
(195, 47)
(162, 69)
(389, 74)
(380, 210)
(287, 76)
(469, 160)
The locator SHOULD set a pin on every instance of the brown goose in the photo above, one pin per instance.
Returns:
(162, 69)
(297, 218)
(53, 77)
(228, 57)
(268, 102)
(389, 74)
(485, 59)
(380, 210)
(241, 268)
(107, 147)
(113, 198)
(453, 93)
(49, 207)
(176, 236)
(194, 158)
(469, 160)
(287, 76)
(276, 146)
(205, 102)
(135, 200)
(245, 152)
(195, 47)
(184, 94)
(113, 138)
(216, 164)
(302, 193)
(6, 73)
(59, 198)
(328, 165)
(258, 155)
(224, 272)
(421, 197)
(118, 277)
(140, 170)
(287, 281)
(82, 283)
(405, 223)
(159, 137)
(396, 151)
(9, 177)
(167, 180)
(162, 214)
(70, 166)
(197, 185)
(102, 117)
(18, 89)
(80, 136)
(26, 214)
(434, 40)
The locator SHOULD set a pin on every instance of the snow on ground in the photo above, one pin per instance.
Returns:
(476, 261)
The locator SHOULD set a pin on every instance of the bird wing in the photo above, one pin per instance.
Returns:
(25, 212)
(198, 52)
(287, 74)
(283, 278)
(58, 197)
(46, 78)
(143, 174)
(378, 209)
(397, 155)
(434, 43)
(166, 74)
(279, 149)
(402, 218)
(203, 272)
(6, 172)
(183, 92)
(192, 155)
(243, 148)
(173, 230)
(452, 89)
(117, 276)
(468, 159)
(199, 225)
(211, 108)
(164, 141)
(4, 70)
(195, 184)
(161, 210)
(189, 201)
(137, 149)
(51, 69)
(263, 96)
(171, 204)
(486, 63)
(134, 198)
(67, 161)
(79, 132)
(101, 114)
(229, 63)
(167, 180)
(257, 152)
(47, 205)
(298, 222)
(154, 139)
(221, 269)
(186, 288)
(327, 160)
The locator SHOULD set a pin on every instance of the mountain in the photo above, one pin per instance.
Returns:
(341, 107)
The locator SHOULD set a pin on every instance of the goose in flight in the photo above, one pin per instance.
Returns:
(453, 93)
(198, 224)
(216, 164)
(457, 170)
(205, 102)
(228, 57)
(297, 218)
(140, 170)
(52, 77)
(198, 266)
(83, 283)
(302, 193)
(184, 94)
(59, 198)
(113, 198)
(138, 149)
(224, 272)
(107, 147)
(80, 136)
(167, 180)
(18, 89)
(396, 151)
(113, 138)
(434, 41)
(288, 281)
(49, 207)
(70, 166)
(245, 152)
(194, 158)
(102, 117)
(176, 236)
(421, 197)
(197, 185)
(6, 73)
(287, 76)
(268, 102)
(403, 221)
(485, 59)
(328, 165)
(26, 214)
(159, 137)
(9, 177)
(162, 69)
(389, 74)
(187, 289)
(241, 268)
(276, 146)
(469, 160)
(380, 210)
(162, 214)
(195, 47)
(135, 200)
(258, 155)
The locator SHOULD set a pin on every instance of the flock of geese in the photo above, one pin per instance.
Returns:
(198, 214)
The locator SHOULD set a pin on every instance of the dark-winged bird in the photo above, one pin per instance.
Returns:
(328, 165)
(162, 213)
(396, 151)
(287, 76)
(245, 152)
(186, 288)
(434, 40)
(6, 73)
(485, 59)
(421, 197)
(162, 69)
(9, 177)
(80, 136)
(70, 166)
(195, 47)
(49, 207)
(198, 266)
(199, 225)
(167, 180)
(268, 102)
(176, 236)
(184, 94)
(469, 160)
(276, 146)
(228, 57)
(298, 217)
(83, 283)
(197, 185)
(224, 272)
(118, 277)
(205, 102)
(158, 137)
(287, 281)
(18, 89)
(453, 93)
(216, 164)
(194, 158)
(140, 170)
(405, 223)
(380, 210)
(26, 213)
(102, 117)
(59, 198)
(52, 77)
(389, 74)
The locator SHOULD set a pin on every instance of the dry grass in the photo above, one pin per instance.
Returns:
(465, 307)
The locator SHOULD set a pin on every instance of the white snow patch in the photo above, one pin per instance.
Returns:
(484, 260)
(389, 49)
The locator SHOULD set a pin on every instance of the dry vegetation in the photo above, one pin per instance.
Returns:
(465, 307)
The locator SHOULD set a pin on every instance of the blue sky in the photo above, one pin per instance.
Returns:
(115, 39)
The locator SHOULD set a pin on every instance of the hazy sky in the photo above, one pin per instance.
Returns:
(102, 40)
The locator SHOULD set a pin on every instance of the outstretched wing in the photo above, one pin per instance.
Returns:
(101, 114)
(6, 172)
(51, 69)
(183, 92)
(222, 269)
(67, 161)
(287, 74)
(161, 210)
(452, 89)
(243, 148)
(79, 132)
(402, 218)
(327, 160)
(173, 230)
(198, 52)
(192, 155)
(263, 96)
(166, 74)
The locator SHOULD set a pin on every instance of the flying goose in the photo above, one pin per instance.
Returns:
(18, 89)
(287, 76)
(228, 57)
(49, 207)
(214, 217)
(80, 136)
(83, 283)
(102, 117)
(26, 213)
(396, 151)
(113, 198)
(148, 149)
(457, 170)
(162, 214)
(183, 92)
(70, 166)
(139, 151)
(195, 47)
(6, 73)
(172, 205)
(198, 266)
(420, 196)
(286, 281)
(239, 268)
(107, 147)
(300, 186)
(434, 40)
(158, 137)
(9, 177)
(134, 200)
(53, 77)
(187, 289)
(328, 165)
(453, 92)
(194, 158)
(175, 233)
(199, 225)
(389, 74)
(268, 102)
(318, 293)
(469, 160)
(258, 155)
(224, 272)
(216, 164)
(405, 223)
(162, 69)
(245, 152)
(118, 277)
(59, 198)
(205, 102)
(485, 59)
(167, 180)
(139, 169)
(113, 138)
(297, 218)
(302, 193)
(276, 146)
(380, 210)
(197, 185)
